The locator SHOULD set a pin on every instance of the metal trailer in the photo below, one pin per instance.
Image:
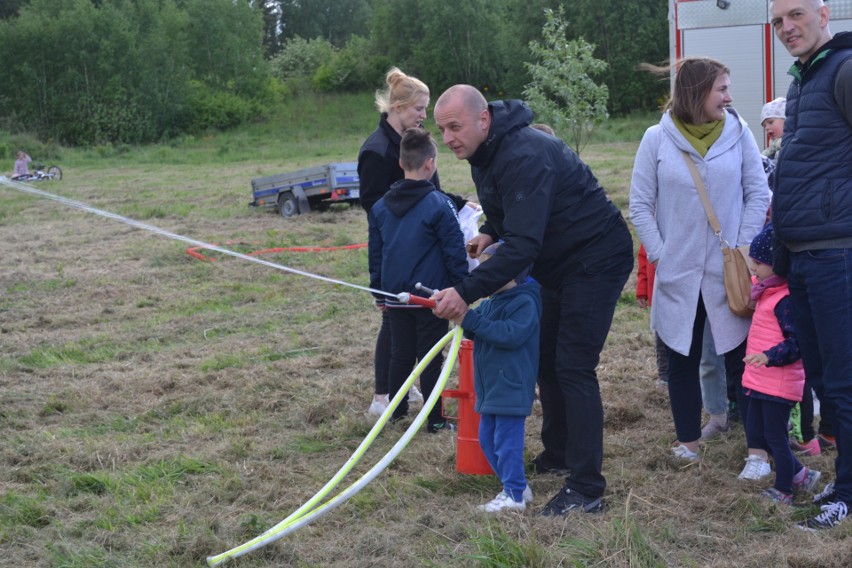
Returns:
(298, 192)
(738, 33)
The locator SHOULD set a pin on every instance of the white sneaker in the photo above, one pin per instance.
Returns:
(755, 468)
(685, 453)
(528, 496)
(414, 395)
(504, 502)
(379, 404)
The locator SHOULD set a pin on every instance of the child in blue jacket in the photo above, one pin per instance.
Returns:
(415, 237)
(505, 333)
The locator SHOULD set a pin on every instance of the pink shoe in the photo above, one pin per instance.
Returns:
(806, 448)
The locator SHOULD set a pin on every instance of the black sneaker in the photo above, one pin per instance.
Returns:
(569, 500)
(541, 468)
(441, 427)
(832, 514)
(825, 496)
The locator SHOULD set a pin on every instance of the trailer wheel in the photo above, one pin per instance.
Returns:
(287, 205)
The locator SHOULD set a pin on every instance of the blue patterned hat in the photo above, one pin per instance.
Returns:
(761, 247)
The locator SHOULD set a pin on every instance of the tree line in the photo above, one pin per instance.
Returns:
(85, 72)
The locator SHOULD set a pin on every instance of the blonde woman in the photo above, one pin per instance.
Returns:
(402, 104)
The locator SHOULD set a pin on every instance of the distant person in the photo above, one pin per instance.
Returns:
(773, 379)
(21, 170)
(415, 237)
(402, 106)
(812, 219)
(505, 334)
(665, 207)
(551, 212)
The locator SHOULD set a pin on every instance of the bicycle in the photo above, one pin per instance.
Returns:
(40, 174)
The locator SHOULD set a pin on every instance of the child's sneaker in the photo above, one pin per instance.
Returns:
(832, 514)
(441, 427)
(807, 481)
(756, 468)
(414, 395)
(503, 503)
(827, 442)
(826, 495)
(810, 448)
(685, 453)
(379, 405)
(777, 497)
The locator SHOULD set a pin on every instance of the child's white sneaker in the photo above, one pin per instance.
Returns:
(756, 468)
(684, 453)
(414, 395)
(504, 503)
(379, 404)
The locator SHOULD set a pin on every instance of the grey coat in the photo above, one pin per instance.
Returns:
(671, 223)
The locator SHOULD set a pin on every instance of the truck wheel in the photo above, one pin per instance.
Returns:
(287, 205)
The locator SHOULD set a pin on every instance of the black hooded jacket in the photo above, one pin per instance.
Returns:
(539, 197)
(378, 165)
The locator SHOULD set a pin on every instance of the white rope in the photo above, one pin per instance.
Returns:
(24, 188)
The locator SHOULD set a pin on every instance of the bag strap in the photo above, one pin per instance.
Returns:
(705, 201)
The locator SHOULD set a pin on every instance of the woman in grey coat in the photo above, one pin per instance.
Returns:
(671, 223)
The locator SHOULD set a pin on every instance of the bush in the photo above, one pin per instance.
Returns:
(354, 67)
(216, 109)
(299, 60)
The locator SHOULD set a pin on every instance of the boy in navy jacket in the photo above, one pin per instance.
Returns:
(505, 330)
(415, 237)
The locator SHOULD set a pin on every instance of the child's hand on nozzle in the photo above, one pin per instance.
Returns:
(642, 301)
(756, 359)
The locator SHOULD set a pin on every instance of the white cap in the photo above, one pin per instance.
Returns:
(774, 109)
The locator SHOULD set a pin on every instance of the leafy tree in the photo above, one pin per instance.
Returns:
(562, 92)
(625, 33)
(334, 20)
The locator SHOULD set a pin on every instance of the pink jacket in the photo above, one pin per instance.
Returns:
(786, 382)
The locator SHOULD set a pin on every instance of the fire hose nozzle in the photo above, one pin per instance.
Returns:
(423, 288)
(407, 298)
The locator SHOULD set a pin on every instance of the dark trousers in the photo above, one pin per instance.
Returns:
(381, 361)
(821, 296)
(574, 325)
(685, 385)
(414, 332)
(766, 429)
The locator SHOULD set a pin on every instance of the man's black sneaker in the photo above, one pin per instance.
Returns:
(831, 515)
(441, 427)
(541, 468)
(569, 500)
(825, 496)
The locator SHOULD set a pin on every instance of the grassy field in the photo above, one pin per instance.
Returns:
(157, 409)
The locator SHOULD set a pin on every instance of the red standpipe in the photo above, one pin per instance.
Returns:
(469, 456)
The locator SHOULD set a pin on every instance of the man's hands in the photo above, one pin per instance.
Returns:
(450, 304)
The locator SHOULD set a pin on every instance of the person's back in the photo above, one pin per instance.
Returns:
(415, 237)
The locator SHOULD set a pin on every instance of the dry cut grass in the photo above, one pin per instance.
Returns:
(157, 409)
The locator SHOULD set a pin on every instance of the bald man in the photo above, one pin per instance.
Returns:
(551, 213)
(812, 217)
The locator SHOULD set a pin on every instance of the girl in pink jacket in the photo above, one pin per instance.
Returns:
(774, 377)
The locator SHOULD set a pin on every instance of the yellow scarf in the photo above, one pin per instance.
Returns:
(701, 136)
